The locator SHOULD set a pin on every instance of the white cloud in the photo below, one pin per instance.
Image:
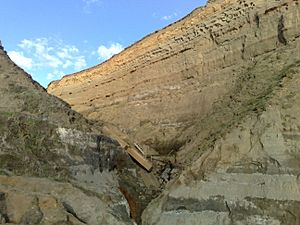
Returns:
(67, 64)
(169, 17)
(62, 54)
(80, 63)
(43, 53)
(52, 61)
(107, 52)
(20, 59)
(67, 52)
(55, 74)
(48, 56)
(88, 4)
(53, 53)
(26, 44)
(50, 76)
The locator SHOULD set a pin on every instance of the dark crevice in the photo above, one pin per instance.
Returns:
(243, 47)
(281, 28)
(3, 209)
(107, 154)
(70, 210)
(213, 38)
(257, 20)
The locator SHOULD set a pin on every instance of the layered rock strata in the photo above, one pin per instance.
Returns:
(250, 175)
(169, 80)
(220, 90)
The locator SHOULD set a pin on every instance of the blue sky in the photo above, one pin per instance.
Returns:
(51, 38)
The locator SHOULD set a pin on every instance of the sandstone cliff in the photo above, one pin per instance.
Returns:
(170, 80)
(220, 90)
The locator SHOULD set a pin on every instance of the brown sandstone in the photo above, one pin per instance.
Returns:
(218, 89)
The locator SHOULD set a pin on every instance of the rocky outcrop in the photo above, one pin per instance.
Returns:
(218, 90)
(57, 167)
(35, 201)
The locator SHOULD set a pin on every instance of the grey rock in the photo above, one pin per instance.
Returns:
(2, 219)
(32, 217)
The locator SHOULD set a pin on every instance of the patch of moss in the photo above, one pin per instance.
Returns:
(6, 114)
(11, 162)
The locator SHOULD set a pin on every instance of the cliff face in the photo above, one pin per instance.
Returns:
(53, 163)
(170, 80)
(220, 90)
(250, 174)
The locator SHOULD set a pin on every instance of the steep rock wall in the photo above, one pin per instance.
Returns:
(250, 175)
(223, 82)
(168, 81)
